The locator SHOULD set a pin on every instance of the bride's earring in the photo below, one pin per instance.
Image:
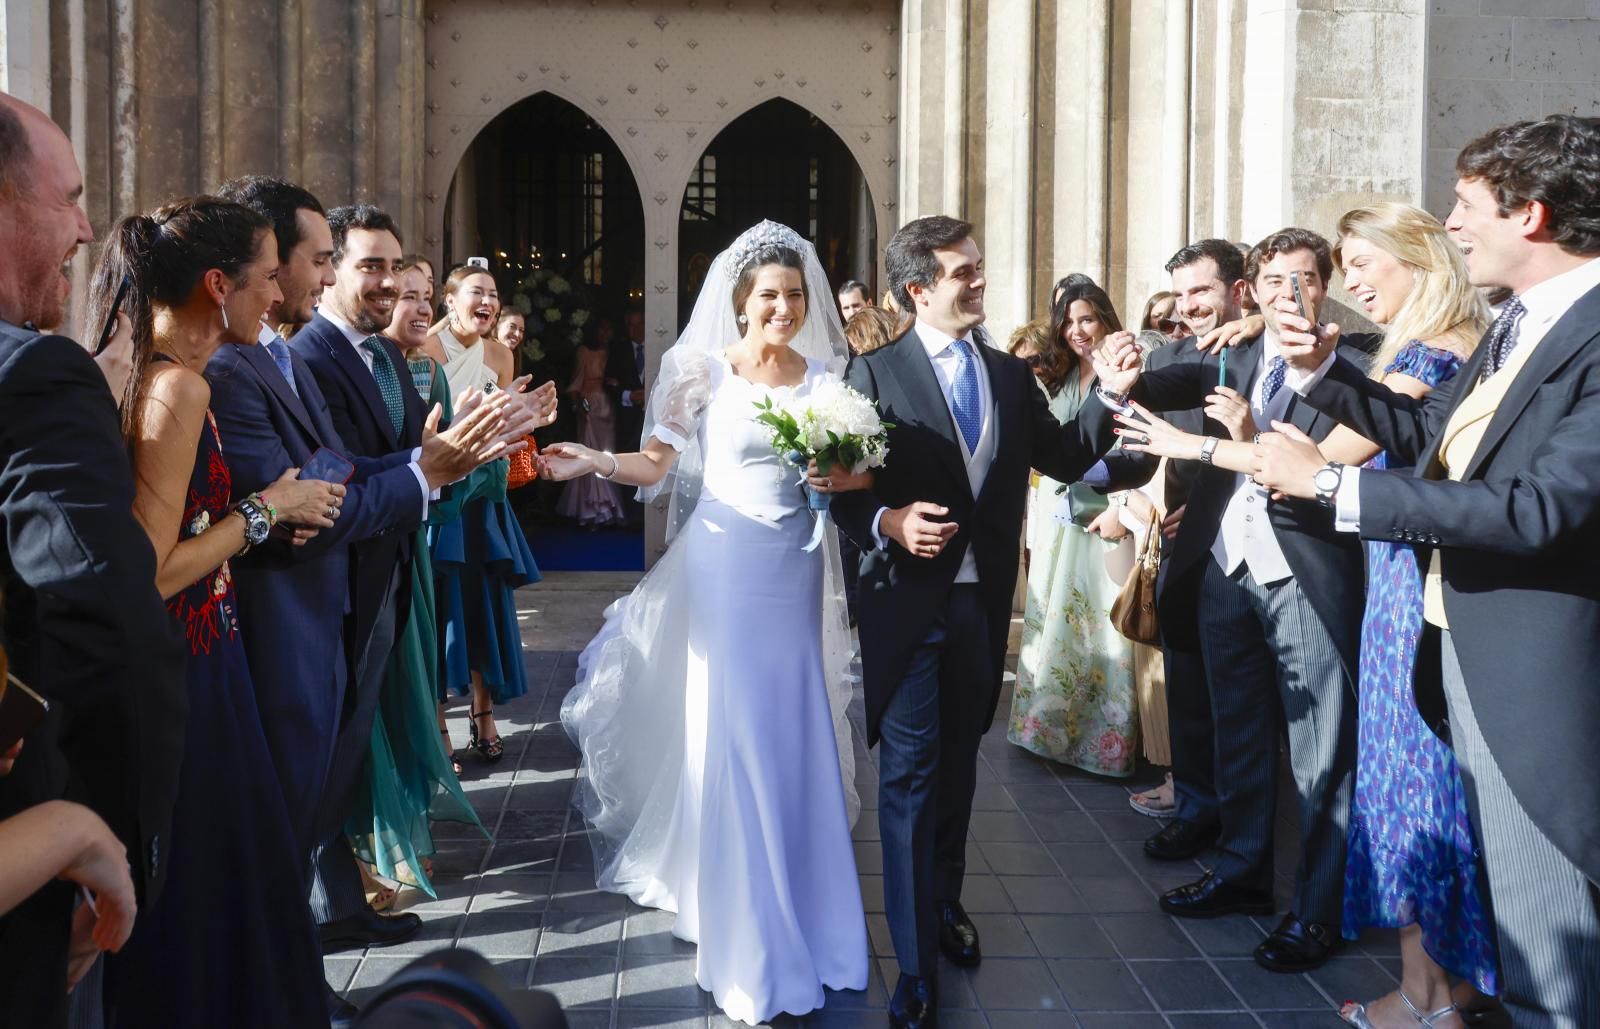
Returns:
(224, 308)
(744, 319)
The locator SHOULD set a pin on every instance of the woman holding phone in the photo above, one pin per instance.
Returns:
(202, 271)
(1411, 861)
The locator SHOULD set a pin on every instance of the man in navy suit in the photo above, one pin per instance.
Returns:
(82, 621)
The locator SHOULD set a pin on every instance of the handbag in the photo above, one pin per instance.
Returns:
(1134, 612)
(523, 470)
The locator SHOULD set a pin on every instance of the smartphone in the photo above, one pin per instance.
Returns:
(20, 710)
(329, 466)
(479, 262)
(1299, 298)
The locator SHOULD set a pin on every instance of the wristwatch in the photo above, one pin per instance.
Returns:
(1326, 482)
(1208, 449)
(257, 525)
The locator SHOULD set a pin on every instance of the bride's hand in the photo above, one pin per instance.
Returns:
(838, 480)
(561, 461)
(1145, 433)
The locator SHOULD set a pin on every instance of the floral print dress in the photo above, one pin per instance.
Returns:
(1075, 699)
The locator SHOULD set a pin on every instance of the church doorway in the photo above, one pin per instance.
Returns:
(546, 198)
(777, 161)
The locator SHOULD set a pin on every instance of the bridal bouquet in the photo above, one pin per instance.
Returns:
(834, 426)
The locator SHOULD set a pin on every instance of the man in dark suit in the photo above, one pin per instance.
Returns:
(625, 367)
(1207, 280)
(1277, 596)
(940, 530)
(1505, 493)
(77, 578)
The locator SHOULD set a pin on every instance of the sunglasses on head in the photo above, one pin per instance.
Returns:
(1035, 362)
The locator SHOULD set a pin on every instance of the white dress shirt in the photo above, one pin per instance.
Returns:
(1543, 306)
(1246, 535)
(355, 338)
(946, 364)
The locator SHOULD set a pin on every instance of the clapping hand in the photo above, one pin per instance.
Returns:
(542, 403)
(1303, 344)
(492, 428)
(838, 480)
(1118, 362)
(914, 528)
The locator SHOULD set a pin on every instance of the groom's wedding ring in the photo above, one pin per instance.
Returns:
(332, 511)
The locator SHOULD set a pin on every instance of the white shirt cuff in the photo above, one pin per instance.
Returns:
(882, 543)
(1347, 500)
(627, 398)
(1099, 475)
(1303, 382)
(428, 495)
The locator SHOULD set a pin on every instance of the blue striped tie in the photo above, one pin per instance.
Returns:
(280, 357)
(964, 396)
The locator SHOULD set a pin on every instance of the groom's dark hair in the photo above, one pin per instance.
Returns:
(909, 256)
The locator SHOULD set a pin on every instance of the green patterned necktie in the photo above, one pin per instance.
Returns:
(388, 382)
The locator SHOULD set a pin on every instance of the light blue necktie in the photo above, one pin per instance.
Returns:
(280, 357)
(964, 399)
(1277, 368)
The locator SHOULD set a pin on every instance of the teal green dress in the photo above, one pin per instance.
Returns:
(408, 779)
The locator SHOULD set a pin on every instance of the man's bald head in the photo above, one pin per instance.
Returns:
(41, 222)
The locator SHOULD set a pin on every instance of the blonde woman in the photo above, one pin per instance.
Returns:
(1411, 858)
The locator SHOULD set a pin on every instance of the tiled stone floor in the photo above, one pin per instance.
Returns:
(1058, 886)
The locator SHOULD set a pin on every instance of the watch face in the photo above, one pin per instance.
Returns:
(1326, 480)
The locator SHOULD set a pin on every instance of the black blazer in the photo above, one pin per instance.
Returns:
(362, 422)
(1519, 544)
(1330, 566)
(901, 595)
(85, 627)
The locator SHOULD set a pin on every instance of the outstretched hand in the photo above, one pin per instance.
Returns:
(562, 461)
(1143, 432)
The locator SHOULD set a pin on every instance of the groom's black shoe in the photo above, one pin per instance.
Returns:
(958, 937)
(912, 1006)
(367, 928)
(1181, 839)
(1212, 896)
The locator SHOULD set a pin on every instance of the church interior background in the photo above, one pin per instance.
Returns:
(624, 142)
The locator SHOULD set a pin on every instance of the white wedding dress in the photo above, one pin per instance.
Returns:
(712, 748)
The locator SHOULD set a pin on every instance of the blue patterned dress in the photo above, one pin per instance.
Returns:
(1413, 856)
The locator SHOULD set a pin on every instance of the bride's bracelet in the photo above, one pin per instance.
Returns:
(616, 466)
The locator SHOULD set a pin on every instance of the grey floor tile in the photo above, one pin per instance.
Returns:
(1185, 986)
(992, 797)
(977, 864)
(1147, 935)
(1065, 827)
(338, 971)
(438, 930)
(866, 828)
(1354, 978)
(871, 892)
(527, 857)
(1040, 799)
(531, 825)
(502, 933)
(577, 982)
(660, 981)
(451, 894)
(1001, 827)
(1023, 984)
(650, 932)
(1124, 824)
(1004, 936)
(1042, 894)
(1115, 894)
(374, 972)
(1088, 859)
(869, 857)
(581, 934)
(1068, 936)
(457, 861)
(1109, 1020)
(1097, 797)
(661, 1018)
(1023, 768)
(1263, 990)
(1032, 1020)
(525, 893)
(541, 796)
(1019, 858)
(984, 893)
(1214, 1020)
(878, 935)
(1328, 1019)
(949, 1019)
(1093, 985)
(1231, 936)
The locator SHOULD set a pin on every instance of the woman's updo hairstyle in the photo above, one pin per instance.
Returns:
(761, 257)
(164, 255)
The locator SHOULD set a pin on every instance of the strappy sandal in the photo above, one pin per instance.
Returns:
(1357, 1015)
(455, 766)
(1148, 802)
(489, 748)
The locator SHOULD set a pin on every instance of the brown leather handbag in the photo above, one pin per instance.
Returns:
(1134, 613)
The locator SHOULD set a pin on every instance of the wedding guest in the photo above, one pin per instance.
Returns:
(1074, 699)
(1502, 486)
(202, 272)
(868, 329)
(510, 328)
(1161, 317)
(479, 568)
(113, 737)
(589, 501)
(625, 368)
(1410, 827)
(853, 297)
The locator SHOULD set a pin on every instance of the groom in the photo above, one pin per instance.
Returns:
(939, 530)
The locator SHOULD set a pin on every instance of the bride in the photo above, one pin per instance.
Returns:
(717, 762)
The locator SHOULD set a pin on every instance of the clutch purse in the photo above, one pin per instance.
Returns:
(1134, 613)
(523, 470)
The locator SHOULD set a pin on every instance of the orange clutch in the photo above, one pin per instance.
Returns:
(523, 467)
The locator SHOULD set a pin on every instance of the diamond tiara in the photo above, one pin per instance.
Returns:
(759, 237)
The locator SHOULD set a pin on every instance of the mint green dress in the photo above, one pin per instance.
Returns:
(408, 780)
(1075, 699)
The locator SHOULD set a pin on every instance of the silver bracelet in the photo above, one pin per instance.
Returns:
(616, 466)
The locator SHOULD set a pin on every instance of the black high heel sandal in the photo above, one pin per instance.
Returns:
(449, 752)
(490, 748)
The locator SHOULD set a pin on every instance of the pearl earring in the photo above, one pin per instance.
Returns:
(224, 309)
(743, 319)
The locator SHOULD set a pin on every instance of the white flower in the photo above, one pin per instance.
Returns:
(579, 319)
(558, 285)
(552, 315)
(522, 303)
(1114, 713)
